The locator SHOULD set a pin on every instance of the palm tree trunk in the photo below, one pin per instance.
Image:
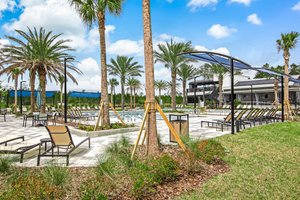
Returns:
(173, 90)
(111, 94)
(130, 97)
(61, 95)
(153, 148)
(16, 93)
(122, 93)
(286, 83)
(134, 98)
(159, 94)
(220, 91)
(104, 92)
(42, 77)
(184, 92)
(32, 87)
(276, 93)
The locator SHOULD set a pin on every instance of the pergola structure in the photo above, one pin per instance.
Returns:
(232, 64)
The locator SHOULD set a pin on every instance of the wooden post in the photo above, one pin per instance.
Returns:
(141, 130)
(176, 136)
(99, 116)
(116, 113)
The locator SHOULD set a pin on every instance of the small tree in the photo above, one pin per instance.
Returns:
(160, 86)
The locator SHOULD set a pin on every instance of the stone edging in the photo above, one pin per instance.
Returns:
(102, 132)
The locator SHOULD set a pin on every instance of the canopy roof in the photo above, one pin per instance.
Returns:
(85, 94)
(216, 58)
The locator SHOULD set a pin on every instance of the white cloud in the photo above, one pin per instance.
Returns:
(245, 2)
(254, 19)
(7, 5)
(167, 37)
(222, 50)
(218, 31)
(90, 80)
(4, 42)
(196, 4)
(161, 73)
(126, 47)
(296, 7)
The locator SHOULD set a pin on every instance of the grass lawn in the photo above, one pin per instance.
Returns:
(264, 164)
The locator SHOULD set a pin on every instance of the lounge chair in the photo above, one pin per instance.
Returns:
(61, 138)
(214, 123)
(19, 148)
(4, 140)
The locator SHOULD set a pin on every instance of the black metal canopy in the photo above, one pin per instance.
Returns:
(233, 63)
(217, 58)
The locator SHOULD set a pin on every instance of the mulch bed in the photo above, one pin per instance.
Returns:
(184, 183)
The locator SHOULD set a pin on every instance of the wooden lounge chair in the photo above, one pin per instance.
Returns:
(19, 148)
(4, 140)
(62, 143)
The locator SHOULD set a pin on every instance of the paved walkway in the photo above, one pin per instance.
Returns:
(84, 156)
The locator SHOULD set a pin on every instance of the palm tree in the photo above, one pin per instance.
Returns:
(185, 73)
(151, 128)
(113, 83)
(168, 54)
(94, 11)
(269, 76)
(123, 67)
(209, 70)
(14, 75)
(160, 85)
(61, 81)
(41, 53)
(130, 83)
(134, 85)
(286, 43)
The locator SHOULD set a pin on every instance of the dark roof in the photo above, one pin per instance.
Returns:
(255, 82)
(204, 82)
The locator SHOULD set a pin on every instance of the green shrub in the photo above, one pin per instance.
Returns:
(118, 161)
(92, 190)
(147, 175)
(5, 165)
(210, 150)
(31, 186)
(56, 175)
(206, 150)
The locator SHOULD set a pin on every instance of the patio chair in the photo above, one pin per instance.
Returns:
(214, 123)
(19, 148)
(238, 122)
(3, 112)
(61, 139)
(4, 140)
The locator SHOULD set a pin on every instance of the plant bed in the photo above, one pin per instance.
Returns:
(117, 177)
(116, 128)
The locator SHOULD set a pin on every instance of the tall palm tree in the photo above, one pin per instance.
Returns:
(269, 76)
(123, 67)
(113, 83)
(137, 85)
(61, 81)
(160, 86)
(185, 73)
(14, 75)
(151, 128)
(209, 70)
(287, 42)
(40, 53)
(92, 11)
(168, 54)
(130, 83)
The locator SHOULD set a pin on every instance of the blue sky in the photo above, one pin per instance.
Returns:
(246, 29)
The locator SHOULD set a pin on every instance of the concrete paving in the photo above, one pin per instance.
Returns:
(85, 156)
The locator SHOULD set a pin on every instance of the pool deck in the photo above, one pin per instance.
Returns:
(84, 156)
